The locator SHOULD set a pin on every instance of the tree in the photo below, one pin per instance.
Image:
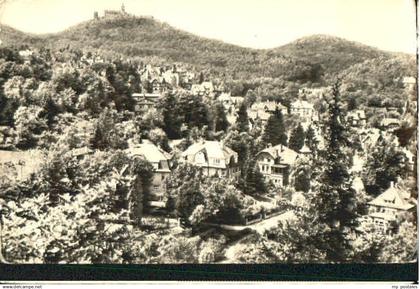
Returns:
(106, 132)
(274, 132)
(183, 192)
(385, 163)
(310, 139)
(172, 118)
(244, 144)
(188, 198)
(334, 199)
(252, 181)
(28, 125)
(250, 97)
(242, 121)
(88, 222)
(297, 138)
(302, 181)
(351, 103)
(201, 78)
(159, 138)
(220, 200)
(401, 247)
(220, 121)
(139, 195)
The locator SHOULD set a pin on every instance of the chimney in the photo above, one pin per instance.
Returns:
(391, 185)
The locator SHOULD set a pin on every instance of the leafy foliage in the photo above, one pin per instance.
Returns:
(385, 164)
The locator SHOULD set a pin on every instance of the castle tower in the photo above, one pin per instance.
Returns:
(95, 15)
(123, 8)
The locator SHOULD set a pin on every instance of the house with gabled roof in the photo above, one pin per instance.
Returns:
(389, 207)
(213, 157)
(275, 163)
(161, 162)
(158, 85)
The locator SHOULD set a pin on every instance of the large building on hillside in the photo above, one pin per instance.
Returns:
(275, 163)
(213, 157)
(161, 162)
(112, 13)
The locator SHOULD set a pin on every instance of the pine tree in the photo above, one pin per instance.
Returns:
(310, 139)
(172, 116)
(253, 181)
(302, 182)
(297, 138)
(334, 200)
(220, 121)
(274, 132)
(242, 121)
(201, 80)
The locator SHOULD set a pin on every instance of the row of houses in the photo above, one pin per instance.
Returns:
(215, 159)
(261, 111)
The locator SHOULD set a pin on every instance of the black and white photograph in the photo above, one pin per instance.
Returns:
(208, 132)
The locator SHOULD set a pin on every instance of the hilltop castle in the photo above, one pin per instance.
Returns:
(112, 13)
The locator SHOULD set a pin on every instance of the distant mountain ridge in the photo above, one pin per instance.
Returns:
(305, 59)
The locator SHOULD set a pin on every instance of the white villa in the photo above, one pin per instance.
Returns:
(275, 163)
(213, 157)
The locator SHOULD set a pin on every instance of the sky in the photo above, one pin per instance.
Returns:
(385, 24)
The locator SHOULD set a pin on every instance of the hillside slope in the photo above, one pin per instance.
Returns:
(334, 53)
(10, 36)
(309, 59)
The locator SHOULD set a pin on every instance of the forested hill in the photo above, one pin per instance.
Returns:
(310, 59)
(334, 53)
(11, 36)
